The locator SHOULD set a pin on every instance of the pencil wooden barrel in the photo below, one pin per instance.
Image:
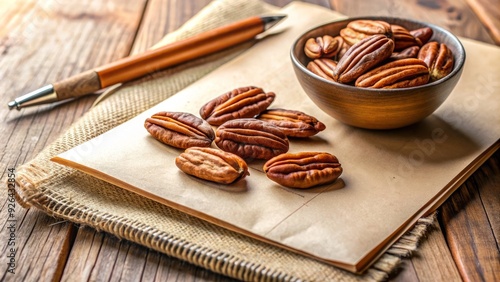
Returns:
(181, 51)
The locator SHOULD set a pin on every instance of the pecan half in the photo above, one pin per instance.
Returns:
(363, 56)
(410, 52)
(424, 34)
(244, 102)
(293, 123)
(324, 46)
(212, 164)
(343, 50)
(438, 58)
(396, 74)
(251, 138)
(180, 130)
(303, 170)
(358, 30)
(403, 38)
(322, 67)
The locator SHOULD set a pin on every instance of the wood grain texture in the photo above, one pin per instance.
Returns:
(95, 32)
(453, 15)
(282, 3)
(41, 242)
(78, 85)
(488, 181)
(162, 17)
(102, 257)
(433, 260)
(42, 42)
(488, 12)
(467, 225)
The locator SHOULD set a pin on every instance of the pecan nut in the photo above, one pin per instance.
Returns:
(180, 130)
(438, 58)
(403, 38)
(358, 30)
(304, 169)
(343, 50)
(410, 52)
(251, 138)
(424, 34)
(323, 46)
(397, 74)
(363, 56)
(212, 165)
(323, 67)
(244, 102)
(293, 123)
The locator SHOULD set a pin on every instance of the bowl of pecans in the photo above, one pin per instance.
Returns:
(378, 72)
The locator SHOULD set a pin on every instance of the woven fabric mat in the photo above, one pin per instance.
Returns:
(72, 195)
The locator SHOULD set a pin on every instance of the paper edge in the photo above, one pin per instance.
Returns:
(221, 223)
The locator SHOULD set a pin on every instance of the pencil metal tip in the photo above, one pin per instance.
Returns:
(272, 20)
(42, 95)
(12, 105)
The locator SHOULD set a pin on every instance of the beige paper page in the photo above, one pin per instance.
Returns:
(390, 179)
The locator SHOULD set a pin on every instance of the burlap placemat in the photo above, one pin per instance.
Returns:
(72, 195)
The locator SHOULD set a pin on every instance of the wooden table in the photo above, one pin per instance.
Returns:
(44, 41)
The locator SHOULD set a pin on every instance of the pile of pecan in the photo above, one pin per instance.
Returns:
(245, 130)
(376, 54)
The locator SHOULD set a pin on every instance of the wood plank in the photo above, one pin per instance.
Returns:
(34, 260)
(488, 12)
(467, 226)
(404, 273)
(282, 3)
(102, 257)
(84, 253)
(41, 42)
(488, 179)
(433, 260)
(453, 15)
(162, 17)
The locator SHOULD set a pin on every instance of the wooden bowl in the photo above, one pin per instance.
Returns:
(376, 108)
